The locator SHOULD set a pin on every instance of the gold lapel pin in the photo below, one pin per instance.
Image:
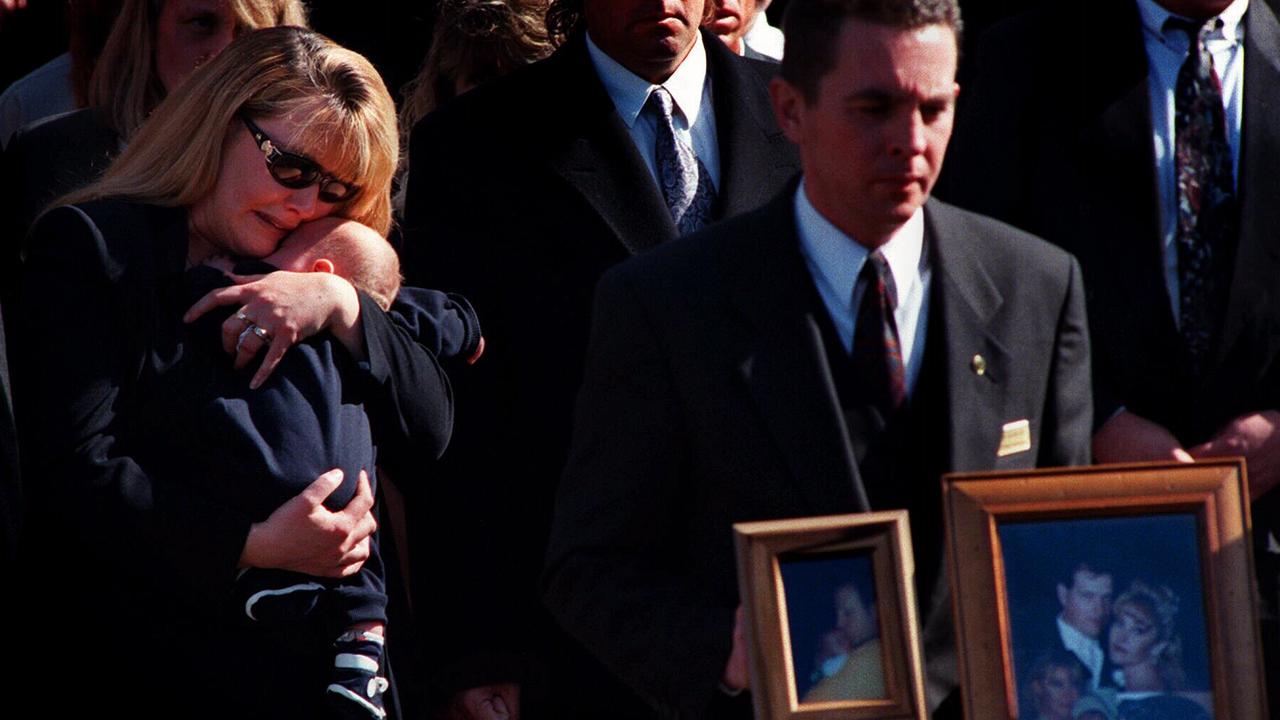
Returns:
(979, 365)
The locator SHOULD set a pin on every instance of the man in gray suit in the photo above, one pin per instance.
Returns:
(834, 351)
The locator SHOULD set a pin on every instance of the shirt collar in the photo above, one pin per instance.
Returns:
(839, 258)
(1076, 640)
(1154, 16)
(630, 92)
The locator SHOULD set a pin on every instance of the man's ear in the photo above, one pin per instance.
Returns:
(323, 265)
(1062, 594)
(788, 107)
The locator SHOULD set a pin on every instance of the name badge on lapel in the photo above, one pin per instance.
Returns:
(1015, 437)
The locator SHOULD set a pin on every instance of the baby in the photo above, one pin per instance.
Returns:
(255, 449)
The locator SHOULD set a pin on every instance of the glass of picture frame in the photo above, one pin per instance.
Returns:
(1105, 592)
(831, 617)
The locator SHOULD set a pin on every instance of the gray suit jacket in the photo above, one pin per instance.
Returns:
(708, 400)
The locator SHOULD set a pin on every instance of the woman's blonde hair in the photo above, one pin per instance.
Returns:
(346, 117)
(1160, 605)
(125, 85)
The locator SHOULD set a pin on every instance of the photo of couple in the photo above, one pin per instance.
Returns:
(1107, 618)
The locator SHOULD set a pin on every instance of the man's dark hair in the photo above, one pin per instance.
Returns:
(812, 30)
(1095, 566)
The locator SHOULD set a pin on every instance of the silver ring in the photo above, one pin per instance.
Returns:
(262, 333)
(244, 334)
(243, 318)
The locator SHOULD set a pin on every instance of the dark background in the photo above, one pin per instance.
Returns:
(394, 36)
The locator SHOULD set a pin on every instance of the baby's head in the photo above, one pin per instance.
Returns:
(347, 249)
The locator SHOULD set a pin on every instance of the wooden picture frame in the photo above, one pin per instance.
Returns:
(813, 556)
(1179, 531)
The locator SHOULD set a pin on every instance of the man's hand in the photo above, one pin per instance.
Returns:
(1131, 438)
(736, 676)
(488, 702)
(304, 536)
(1254, 436)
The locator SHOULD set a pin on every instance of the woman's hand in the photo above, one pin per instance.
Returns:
(304, 536)
(281, 309)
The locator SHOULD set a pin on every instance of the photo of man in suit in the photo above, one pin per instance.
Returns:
(1086, 610)
(834, 351)
(520, 194)
(1083, 590)
(1154, 157)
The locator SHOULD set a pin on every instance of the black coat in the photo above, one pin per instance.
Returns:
(521, 193)
(133, 569)
(709, 399)
(1056, 138)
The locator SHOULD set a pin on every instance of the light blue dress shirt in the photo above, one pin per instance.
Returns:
(834, 260)
(690, 87)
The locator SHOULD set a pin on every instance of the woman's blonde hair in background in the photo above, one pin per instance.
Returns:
(125, 85)
(348, 119)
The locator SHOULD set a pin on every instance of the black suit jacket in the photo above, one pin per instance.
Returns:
(1056, 139)
(42, 162)
(520, 194)
(708, 400)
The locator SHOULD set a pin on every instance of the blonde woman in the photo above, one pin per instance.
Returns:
(283, 128)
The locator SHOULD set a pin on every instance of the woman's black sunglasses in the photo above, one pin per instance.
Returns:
(295, 171)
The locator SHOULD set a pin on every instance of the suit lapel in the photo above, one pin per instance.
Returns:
(1258, 255)
(598, 158)
(785, 365)
(967, 301)
(750, 142)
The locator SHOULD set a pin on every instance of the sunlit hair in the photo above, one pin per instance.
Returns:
(475, 41)
(1159, 605)
(346, 119)
(125, 85)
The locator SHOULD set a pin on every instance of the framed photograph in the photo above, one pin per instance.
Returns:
(1105, 593)
(831, 617)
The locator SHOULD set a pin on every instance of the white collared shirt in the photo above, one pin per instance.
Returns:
(1166, 51)
(764, 38)
(1084, 647)
(690, 87)
(835, 259)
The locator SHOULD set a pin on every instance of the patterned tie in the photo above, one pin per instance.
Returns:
(1207, 215)
(686, 184)
(877, 355)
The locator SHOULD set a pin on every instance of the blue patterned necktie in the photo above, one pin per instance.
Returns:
(686, 184)
(1207, 215)
(877, 354)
